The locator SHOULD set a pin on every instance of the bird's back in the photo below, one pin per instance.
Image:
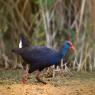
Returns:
(40, 55)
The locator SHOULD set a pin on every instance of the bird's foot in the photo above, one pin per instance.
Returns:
(25, 78)
(41, 81)
(24, 81)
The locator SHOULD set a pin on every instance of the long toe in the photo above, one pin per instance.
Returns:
(44, 82)
(24, 81)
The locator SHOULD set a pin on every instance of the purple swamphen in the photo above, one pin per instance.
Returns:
(39, 57)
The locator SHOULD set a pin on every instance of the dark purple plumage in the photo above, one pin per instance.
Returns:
(39, 57)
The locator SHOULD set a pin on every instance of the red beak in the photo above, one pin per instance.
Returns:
(72, 48)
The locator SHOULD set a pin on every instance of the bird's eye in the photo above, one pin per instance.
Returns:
(68, 44)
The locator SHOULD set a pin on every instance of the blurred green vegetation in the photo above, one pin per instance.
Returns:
(39, 20)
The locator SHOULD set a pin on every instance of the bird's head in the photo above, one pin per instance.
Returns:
(69, 45)
(65, 47)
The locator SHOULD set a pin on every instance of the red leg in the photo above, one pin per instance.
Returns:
(25, 74)
(38, 77)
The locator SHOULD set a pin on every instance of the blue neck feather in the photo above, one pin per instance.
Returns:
(63, 51)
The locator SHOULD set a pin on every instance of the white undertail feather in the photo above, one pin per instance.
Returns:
(20, 44)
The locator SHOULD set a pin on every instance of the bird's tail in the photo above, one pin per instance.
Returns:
(23, 39)
(17, 50)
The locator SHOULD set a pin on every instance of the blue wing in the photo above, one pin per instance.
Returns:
(41, 55)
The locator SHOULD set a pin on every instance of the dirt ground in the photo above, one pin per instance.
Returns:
(80, 84)
(20, 89)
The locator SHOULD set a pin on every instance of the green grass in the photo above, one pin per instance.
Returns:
(10, 76)
(14, 76)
